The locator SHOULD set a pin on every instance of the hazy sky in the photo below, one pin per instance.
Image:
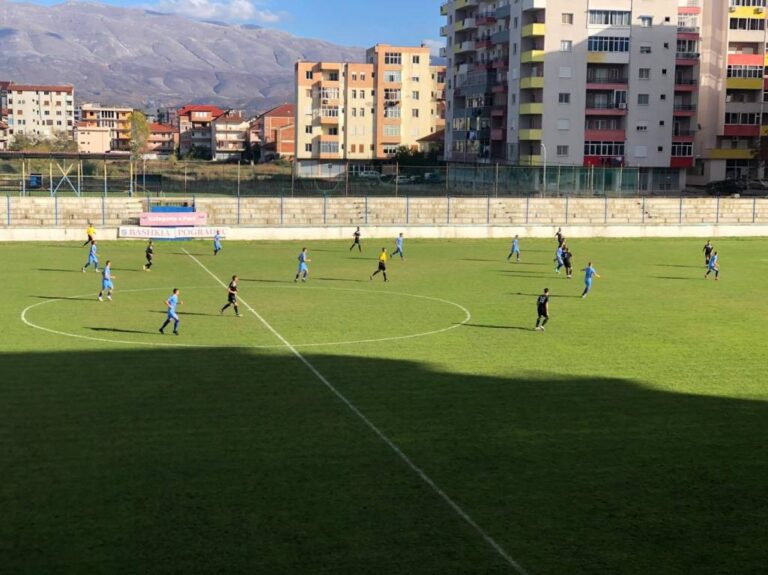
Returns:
(349, 22)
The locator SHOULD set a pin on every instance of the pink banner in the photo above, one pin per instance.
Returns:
(171, 219)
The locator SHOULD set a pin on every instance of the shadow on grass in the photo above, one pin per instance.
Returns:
(676, 278)
(338, 280)
(702, 266)
(183, 313)
(221, 460)
(535, 295)
(67, 298)
(118, 330)
(266, 281)
(485, 326)
(79, 271)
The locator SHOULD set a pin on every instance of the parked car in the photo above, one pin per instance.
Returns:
(433, 178)
(726, 187)
(370, 174)
(403, 180)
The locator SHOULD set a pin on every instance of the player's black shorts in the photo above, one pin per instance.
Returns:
(543, 312)
(382, 267)
(232, 298)
(149, 257)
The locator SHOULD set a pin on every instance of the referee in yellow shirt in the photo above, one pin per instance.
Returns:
(383, 257)
(91, 231)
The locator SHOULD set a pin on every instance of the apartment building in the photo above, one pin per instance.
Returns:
(162, 142)
(733, 92)
(3, 135)
(195, 128)
(92, 138)
(42, 111)
(362, 111)
(229, 136)
(572, 82)
(275, 132)
(117, 120)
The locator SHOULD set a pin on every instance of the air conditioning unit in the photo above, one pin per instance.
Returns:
(759, 10)
(325, 101)
(732, 9)
(622, 106)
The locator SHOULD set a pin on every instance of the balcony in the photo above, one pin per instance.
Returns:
(486, 19)
(532, 56)
(684, 110)
(744, 83)
(484, 43)
(498, 134)
(743, 130)
(755, 12)
(604, 82)
(445, 30)
(503, 12)
(498, 111)
(683, 135)
(466, 24)
(500, 88)
(530, 134)
(681, 162)
(329, 120)
(605, 109)
(444, 8)
(459, 4)
(602, 135)
(463, 47)
(500, 37)
(530, 159)
(532, 83)
(535, 29)
(685, 84)
(687, 58)
(531, 108)
(688, 30)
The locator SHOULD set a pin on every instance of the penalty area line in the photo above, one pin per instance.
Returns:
(374, 428)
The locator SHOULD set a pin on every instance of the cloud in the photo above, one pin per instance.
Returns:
(434, 46)
(224, 10)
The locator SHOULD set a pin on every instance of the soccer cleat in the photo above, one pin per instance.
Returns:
(175, 333)
(109, 297)
(370, 278)
(161, 332)
(101, 299)
(83, 270)
(239, 315)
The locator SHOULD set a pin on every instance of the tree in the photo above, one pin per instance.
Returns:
(139, 134)
(60, 142)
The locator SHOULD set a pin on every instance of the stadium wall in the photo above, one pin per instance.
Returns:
(59, 219)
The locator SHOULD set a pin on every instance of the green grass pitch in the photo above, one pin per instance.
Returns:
(629, 438)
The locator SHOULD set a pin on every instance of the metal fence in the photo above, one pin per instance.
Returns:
(83, 177)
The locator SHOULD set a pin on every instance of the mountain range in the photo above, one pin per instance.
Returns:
(142, 58)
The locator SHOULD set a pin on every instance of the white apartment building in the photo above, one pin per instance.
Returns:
(42, 111)
(572, 82)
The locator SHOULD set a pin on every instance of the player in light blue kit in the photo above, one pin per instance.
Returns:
(106, 281)
(559, 259)
(399, 246)
(171, 304)
(303, 269)
(589, 273)
(217, 243)
(515, 251)
(92, 258)
(713, 266)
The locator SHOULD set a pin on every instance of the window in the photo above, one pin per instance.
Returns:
(643, 99)
(333, 76)
(391, 95)
(308, 75)
(416, 60)
(646, 21)
(745, 71)
(389, 150)
(564, 98)
(391, 130)
(333, 131)
(642, 126)
(329, 147)
(746, 23)
(563, 125)
(362, 94)
(608, 18)
(362, 112)
(682, 149)
(393, 58)
(562, 151)
(645, 49)
(608, 44)
(307, 147)
(415, 95)
(307, 129)
(392, 112)
(354, 112)
(328, 112)
(567, 18)
(603, 148)
(354, 76)
(354, 93)
(415, 113)
(392, 76)
(644, 73)
(566, 46)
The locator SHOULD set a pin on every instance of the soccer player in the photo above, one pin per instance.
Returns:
(106, 281)
(92, 258)
(542, 308)
(171, 304)
(559, 259)
(560, 237)
(91, 232)
(217, 243)
(356, 241)
(589, 273)
(149, 253)
(515, 251)
(713, 266)
(382, 264)
(232, 296)
(303, 269)
(708, 248)
(568, 261)
(399, 246)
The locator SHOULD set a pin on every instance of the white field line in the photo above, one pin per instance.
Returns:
(391, 444)
(467, 318)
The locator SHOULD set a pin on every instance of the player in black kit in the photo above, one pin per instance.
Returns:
(232, 296)
(708, 248)
(568, 261)
(542, 308)
(356, 242)
(149, 253)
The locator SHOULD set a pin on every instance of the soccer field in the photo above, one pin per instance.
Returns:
(348, 426)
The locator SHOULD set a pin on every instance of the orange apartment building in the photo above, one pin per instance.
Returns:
(275, 131)
(195, 127)
(117, 120)
(163, 141)
(366, 111)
